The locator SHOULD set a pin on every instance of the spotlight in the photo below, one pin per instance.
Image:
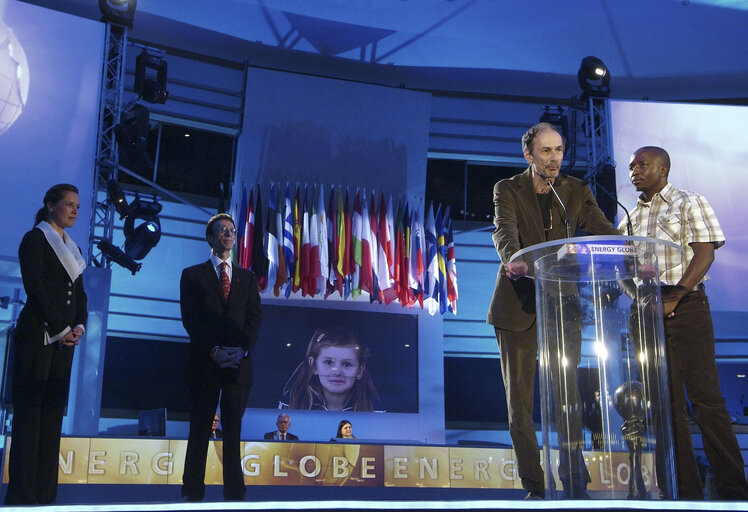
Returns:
(132, 136)
(115, 254)
(140, 239)
(557, 119)
(594, 78)
(151, 89)
(119, 12)
(116, 196)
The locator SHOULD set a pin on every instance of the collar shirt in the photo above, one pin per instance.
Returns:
(216, 261)
(677, 216)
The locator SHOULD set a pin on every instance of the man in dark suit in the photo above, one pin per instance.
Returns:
(220, 306)
(282, 434)
(528, 213)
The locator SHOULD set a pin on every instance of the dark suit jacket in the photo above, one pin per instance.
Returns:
(211, 320)
(519, 224)
(53, 300)
(289, 436)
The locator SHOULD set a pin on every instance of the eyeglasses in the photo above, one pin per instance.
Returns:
(225, 231)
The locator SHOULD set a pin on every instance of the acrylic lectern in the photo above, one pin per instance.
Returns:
(602, 368)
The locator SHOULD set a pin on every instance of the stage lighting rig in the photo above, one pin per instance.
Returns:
(119, 12)
(116, 197)
(141, 238)
(150, 78)
(132, 137)
(557, 119)
(115, 254)
(594, 78)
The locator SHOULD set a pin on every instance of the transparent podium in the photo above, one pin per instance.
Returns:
(603, 376)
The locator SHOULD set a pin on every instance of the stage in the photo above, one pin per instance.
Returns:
(142, 498)
(410, 505)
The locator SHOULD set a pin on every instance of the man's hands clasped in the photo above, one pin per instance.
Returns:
(227, 357)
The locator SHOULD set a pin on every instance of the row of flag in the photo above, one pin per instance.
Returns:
(318, 246)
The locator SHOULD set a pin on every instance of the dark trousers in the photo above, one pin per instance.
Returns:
(205, 398)
(41, 380)
(518, 352)
(689, 337)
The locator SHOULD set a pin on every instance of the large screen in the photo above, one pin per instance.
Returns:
(708, 151)
(307, 357)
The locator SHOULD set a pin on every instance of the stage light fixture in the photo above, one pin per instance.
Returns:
(116, 196)
(557, 119)
(150, 87)
(119, 12)
(142, 228)
(132, 137)
(115, 254)
(594, 78)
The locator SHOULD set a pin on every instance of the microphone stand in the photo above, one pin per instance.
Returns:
(566, 215)
(629, 228)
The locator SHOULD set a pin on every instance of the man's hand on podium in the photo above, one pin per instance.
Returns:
(515, 270)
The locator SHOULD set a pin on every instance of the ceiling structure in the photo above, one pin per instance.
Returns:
(655, 49)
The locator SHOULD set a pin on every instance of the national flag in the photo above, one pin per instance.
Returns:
(384, 243)
(306, 247)
(441, 254)
(398, 256)
(249, 238)
(241, 226)
(431, 275)
(281, 278)
(259, 259)
(390, 245)
(417, 244)
(332, 244)
(288, 246)
(297, 220)
(451, 262)
(356, 248)
(270, 242)
(347, 252)
(367, 248)
(322, 257)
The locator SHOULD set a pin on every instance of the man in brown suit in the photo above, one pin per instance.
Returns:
(528, 213)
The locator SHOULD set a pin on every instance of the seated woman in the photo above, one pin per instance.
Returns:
(345, 430)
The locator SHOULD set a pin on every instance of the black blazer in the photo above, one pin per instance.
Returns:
(519, 224)
(289, 436)
(211, 320)
(53, 300)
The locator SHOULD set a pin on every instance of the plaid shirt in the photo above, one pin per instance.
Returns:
(677, 216)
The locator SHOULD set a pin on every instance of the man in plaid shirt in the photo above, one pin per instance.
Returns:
(686, 218)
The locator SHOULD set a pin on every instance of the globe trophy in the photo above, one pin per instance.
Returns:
(630, 404)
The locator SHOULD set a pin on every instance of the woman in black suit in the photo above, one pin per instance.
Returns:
(50, 325)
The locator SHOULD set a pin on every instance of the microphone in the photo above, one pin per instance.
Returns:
(629, 228)
(566, 215)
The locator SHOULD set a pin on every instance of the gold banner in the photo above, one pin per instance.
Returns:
(161, 461)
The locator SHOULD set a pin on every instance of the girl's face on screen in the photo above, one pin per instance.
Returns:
(337, 368)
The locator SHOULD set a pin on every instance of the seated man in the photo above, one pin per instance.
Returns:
(215, 432)
(282, 434)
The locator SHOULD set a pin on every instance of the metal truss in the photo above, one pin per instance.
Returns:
(599, 139)
(110, 110)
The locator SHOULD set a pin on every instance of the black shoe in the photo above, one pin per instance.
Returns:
(576, 494)
(192, 498)
(234, 495)
(534, 495)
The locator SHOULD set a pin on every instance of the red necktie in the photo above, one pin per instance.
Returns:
(225, 282)
(283, 437)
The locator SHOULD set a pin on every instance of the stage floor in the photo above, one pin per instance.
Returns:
(123, 498)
